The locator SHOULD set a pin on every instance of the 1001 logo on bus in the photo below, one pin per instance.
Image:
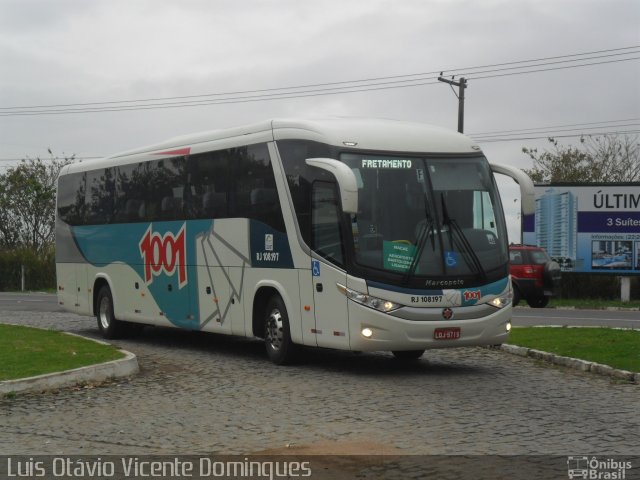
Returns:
(164, 254)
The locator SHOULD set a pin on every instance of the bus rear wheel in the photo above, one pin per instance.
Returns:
(407, 354)
(277, 336)
(108, 325)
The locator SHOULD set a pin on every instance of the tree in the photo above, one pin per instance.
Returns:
(605, 158)
(28, 201)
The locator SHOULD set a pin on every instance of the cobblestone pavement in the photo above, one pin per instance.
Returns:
(207, 394)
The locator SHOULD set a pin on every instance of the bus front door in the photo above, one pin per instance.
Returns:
(331, 318)
(332, 325)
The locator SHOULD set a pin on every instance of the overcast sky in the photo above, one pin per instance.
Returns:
(60, 52)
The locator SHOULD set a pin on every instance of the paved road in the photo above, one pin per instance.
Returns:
(207, 394)
(29, 302)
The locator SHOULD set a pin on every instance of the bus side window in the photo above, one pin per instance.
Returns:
(126, 195)
(254, 194)
(214, 205)
(171, 208)
(208, 184)
(71, 196)
(325, 220)
(99, 195)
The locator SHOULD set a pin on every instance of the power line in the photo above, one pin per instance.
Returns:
(556, 68)
(332, 88)
(531, 64)
(236, 100)
(554, 131)
(367, 80)
(592, 134)
(524, 130)
(258, 98)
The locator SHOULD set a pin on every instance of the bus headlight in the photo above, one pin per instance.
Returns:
(501, 301)
(368, 300)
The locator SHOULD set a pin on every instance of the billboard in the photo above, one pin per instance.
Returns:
(590, 228)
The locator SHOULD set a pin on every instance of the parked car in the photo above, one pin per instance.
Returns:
(534, 275)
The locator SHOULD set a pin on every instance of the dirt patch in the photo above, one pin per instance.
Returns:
(341, 460)
(334, 448)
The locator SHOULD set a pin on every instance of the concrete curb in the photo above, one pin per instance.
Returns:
(123, 367)
(569, 362)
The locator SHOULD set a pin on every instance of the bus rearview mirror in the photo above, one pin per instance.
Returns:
(347, 182)
(527, 192)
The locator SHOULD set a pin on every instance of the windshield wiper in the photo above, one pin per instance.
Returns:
(468, 248)
(421, 241)
(420, 244)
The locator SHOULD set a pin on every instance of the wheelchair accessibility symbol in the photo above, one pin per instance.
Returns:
(451, 258)
(315, 268)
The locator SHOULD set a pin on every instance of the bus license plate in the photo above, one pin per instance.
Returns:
(450, 333)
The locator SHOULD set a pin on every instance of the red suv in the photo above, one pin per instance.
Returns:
(534, 275)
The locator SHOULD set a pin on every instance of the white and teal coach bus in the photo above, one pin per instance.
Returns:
(351, 234)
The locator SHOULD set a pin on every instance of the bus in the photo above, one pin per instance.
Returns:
(351, 234)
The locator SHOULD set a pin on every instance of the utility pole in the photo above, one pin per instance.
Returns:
(462, 84)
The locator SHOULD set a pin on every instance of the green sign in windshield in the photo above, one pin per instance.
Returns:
(398, 255)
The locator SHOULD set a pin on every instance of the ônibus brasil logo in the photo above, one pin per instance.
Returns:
(164, 254)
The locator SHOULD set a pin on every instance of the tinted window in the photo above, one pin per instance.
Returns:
(237, 182)
(209, 180)
(301, 176)
(129, 202)
(166, 192)
(99, 196)
(151, 191)
(71, 195)
(253, 192)
(234, 183)
(326, 237)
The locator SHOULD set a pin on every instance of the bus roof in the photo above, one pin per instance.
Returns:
(375, 134)
(361, 133)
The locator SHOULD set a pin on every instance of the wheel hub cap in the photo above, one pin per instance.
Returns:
(104, 313)
(274, 329)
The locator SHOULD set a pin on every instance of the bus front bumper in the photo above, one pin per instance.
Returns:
(427, 328)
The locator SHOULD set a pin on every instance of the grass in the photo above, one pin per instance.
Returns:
(26, 351)
(592, 303)
(616, 348)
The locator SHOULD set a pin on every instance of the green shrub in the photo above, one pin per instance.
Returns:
(606, 287)
(39, 269)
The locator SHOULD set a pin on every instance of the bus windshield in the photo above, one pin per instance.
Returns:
(427, 217)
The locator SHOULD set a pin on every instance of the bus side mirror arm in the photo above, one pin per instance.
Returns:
(527, 192)
(347, 182)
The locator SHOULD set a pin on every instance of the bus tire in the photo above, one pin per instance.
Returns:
(277, 336)
(108, 325)
(405, 355)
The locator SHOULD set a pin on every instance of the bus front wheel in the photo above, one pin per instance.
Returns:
(277, 337)
(109, 326)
